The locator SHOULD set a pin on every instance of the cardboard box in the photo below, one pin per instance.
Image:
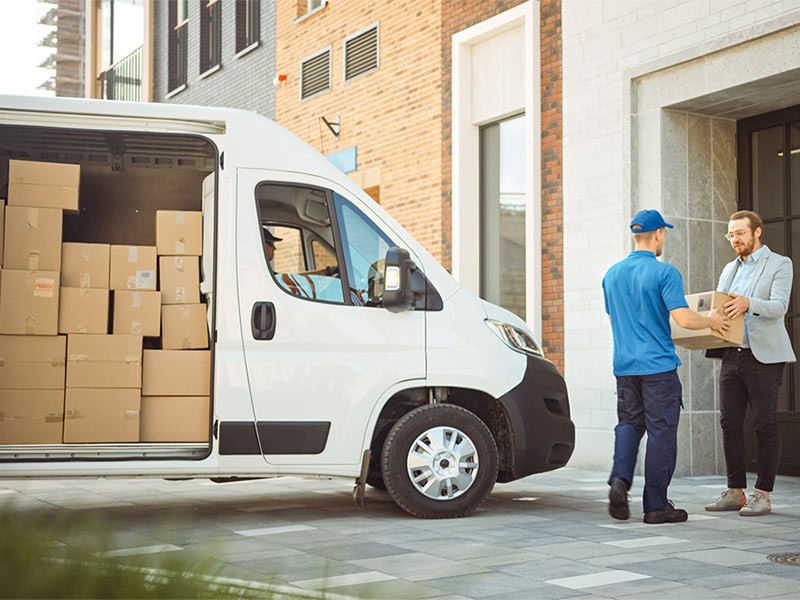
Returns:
(82, 310)
(179, 232)
(174, 419)
(104, 361)
(137, 313)
(32, 362)
(85, 265)
(179, 279)
(31, 416)
(176, 373)
(2, 228)
(32, 239)
(43, 184)
(702, 339)
(133, 268)
(29, 302)
(101, 415)
(183, 327)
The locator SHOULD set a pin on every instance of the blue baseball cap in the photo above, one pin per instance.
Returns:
(648, 220)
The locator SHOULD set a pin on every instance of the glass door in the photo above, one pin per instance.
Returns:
(769, 184)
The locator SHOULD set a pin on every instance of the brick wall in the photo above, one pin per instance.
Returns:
(457, 16)
(552, 191)
(392, 115)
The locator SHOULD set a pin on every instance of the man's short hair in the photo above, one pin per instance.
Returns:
(642, 235)
(753, 218)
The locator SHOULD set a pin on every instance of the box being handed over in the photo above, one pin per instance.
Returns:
(702, 339)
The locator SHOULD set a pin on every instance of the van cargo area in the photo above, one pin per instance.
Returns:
(82, 404)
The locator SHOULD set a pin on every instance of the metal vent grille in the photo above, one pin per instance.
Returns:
(315, 75)
(361, 53)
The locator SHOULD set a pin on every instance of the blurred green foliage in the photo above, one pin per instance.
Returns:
(64, 559)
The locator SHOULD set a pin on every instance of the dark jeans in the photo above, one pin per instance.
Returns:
(650, 403)
(744, 381)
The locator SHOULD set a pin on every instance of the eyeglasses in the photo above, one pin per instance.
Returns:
(732, 235)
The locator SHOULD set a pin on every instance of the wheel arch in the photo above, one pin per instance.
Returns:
(484, 406)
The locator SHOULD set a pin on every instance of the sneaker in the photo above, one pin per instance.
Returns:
(757, 505)
(618, 500)
(727, 501)
(670, 514)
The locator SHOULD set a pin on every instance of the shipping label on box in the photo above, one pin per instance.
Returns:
(703, 339)
(43, 184)
(133, 268)
(32, 362)
(175, 419)
(29, 302)
(31, 416)
(100, 415)
(179, 232)
(85, 265)
(32, 239)
(176, 373)
(137, 313)
(179, 279)
(184, 327)
(83, 310)
(104, 361)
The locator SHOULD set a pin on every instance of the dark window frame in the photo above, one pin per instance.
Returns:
(248, 24)
(210, 35)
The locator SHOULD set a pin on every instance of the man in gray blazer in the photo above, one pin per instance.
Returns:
(758, 282)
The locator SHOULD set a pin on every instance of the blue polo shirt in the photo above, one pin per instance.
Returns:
(639, 292)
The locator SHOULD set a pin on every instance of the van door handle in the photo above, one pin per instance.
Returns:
(263, 320)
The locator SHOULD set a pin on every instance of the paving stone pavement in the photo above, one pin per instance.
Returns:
(546, 536)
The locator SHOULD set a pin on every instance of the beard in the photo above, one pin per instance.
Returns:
(743, 248)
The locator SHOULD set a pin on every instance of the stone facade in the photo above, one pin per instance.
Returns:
(652, 93)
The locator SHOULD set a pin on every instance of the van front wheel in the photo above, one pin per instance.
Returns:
(439, 461)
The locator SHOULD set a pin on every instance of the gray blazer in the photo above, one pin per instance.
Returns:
(769, 292)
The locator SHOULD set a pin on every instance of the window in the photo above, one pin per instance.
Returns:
(210, 35)
(365, 249)
(248, 23)
(303, 258)
(503, 210)
(361, 53)
(316, 4)
(177, 41)
(315, 74)
(309, 258)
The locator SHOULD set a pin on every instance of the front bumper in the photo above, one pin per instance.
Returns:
(542, 435)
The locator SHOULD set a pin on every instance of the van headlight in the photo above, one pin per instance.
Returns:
(515, 338)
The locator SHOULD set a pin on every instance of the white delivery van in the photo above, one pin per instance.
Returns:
(352, 353)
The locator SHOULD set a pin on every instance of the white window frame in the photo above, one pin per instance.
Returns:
(466, 154)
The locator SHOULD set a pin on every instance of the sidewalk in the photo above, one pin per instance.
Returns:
(546, 536)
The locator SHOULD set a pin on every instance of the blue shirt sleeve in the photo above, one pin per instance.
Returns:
(672, 288)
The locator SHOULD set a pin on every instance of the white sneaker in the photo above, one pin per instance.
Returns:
(757, 505)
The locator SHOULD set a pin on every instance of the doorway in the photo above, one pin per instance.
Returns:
(769, 184)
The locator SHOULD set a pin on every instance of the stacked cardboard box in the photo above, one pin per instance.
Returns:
(179, 234)
(175, 395)
(176, 379)
(84, 288)
(32, 355)
(38, 193)
(86, 386)
(31, 389)
(103, 388)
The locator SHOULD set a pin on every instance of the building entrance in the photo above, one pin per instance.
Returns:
(769, 184)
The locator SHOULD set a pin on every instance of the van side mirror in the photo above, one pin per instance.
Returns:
(397, 293)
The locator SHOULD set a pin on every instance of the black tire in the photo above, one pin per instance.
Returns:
(375, 479)
(433, 486)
